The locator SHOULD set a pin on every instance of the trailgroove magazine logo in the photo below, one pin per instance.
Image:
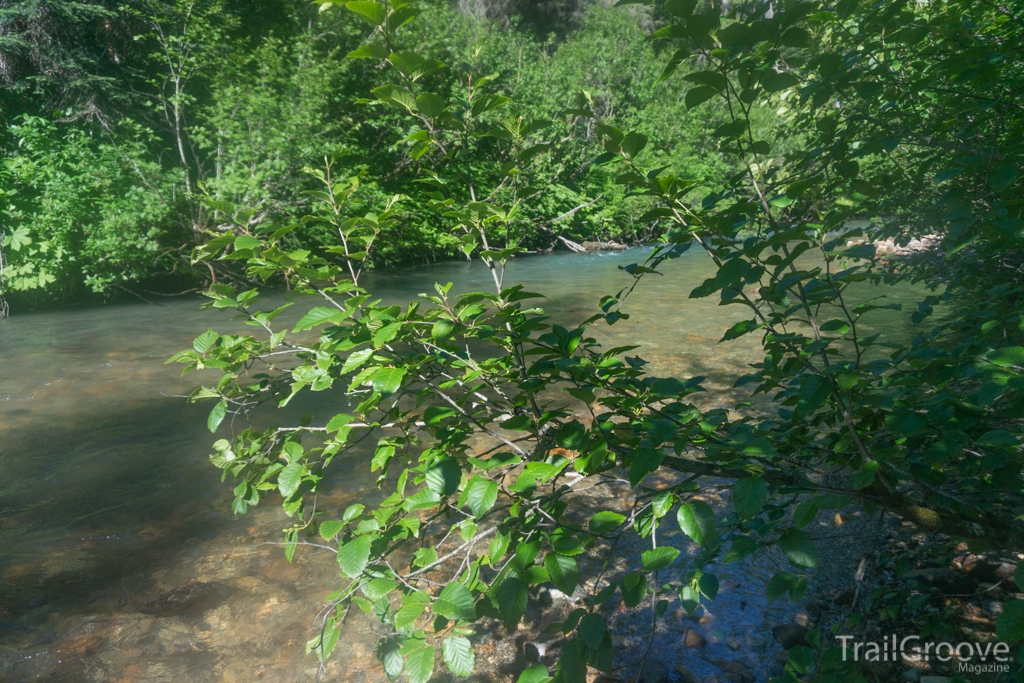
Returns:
(971, 657)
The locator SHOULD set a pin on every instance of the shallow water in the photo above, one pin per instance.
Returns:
(119, 557)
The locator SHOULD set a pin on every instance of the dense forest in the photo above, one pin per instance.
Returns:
(115, 116)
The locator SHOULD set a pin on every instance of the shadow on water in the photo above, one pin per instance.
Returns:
(83, 506)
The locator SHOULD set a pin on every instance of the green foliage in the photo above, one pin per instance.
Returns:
(82, 209)
(239, 107)
(476, 442)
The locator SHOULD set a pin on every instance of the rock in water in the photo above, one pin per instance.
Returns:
(790, 635)
(654, 672)
(687, 675)
(694, 639)
(190, 599)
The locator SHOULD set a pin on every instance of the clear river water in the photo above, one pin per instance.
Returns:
(120, 559)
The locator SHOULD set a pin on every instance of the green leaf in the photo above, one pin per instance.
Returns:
(634, 588)
(742, 546)
(708, 585)
(799, 548)
(353, 555)
(739, 329)
(412, 65)
(633, 144)
(419, 664)
(796, 37)
(659, 558)
(689, 598)
(1001, 175)
(773, 81)
(571, 436)
(330, 529)
(386, 334)
(804, 514)
(369, 51)
(644, 462)
(387, 380)
(748, 496)
(1010, 624)
(455, 602)
(512, 598)
(247, 242)
(203, 342)
(662, 503)
(563, 571)
(780, 584)
(318, 315)
(678, 58)
(698, 95)
(289, 479)
(697, 520)
(814, 391)
(413, 605)
(458, 655)
(444, 477)
(572, 666)
(865, 476)
(519, 423)
(442, 329)
(680, 8)
(390, 656)
(538, 673)
(372, 12)
(481, 494)
(433, 415)
(352, 511)
(431, 105)
(217, 415)
(395, 96)
(605, 521)
(378, 588)
(592, 630)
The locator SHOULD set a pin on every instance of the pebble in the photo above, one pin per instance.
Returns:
(694, 639)
(781, 656)
(733, 644)
(912, 675)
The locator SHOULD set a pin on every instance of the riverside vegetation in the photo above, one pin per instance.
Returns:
(488, 417)
(835, 126)
(114, 115)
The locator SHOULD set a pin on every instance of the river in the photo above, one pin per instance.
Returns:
(119, 557)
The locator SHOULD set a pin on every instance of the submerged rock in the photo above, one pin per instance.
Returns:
(694, 639)
(190, 599)
(687, 675)
(654, 672)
